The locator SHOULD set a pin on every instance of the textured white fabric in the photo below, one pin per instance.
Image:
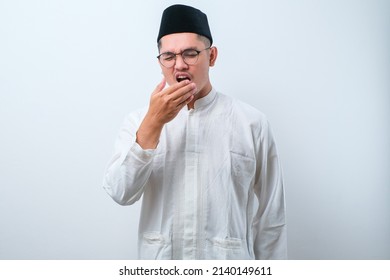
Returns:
(212, 189)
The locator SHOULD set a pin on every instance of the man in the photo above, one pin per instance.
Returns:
(205, 163)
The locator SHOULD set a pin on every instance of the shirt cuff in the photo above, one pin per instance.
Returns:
(140, 154)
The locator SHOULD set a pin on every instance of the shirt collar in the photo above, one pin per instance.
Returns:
(206, 100)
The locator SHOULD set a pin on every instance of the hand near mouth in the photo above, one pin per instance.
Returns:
(166, 103)
(164, 106)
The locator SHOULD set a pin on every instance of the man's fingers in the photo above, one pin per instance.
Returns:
(185, 100)
(176, 86)
(178, 94)
(181, 92)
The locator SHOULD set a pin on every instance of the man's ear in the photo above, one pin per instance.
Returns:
(213, 55)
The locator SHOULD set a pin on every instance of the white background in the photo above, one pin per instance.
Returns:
(71, 70)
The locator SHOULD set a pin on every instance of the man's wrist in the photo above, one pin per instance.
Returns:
(148, 134)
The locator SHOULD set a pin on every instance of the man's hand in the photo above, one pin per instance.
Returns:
(164, 106)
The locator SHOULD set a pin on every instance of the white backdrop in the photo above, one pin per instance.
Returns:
(71, 70)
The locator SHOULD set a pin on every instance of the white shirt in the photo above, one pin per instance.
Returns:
(212, 189)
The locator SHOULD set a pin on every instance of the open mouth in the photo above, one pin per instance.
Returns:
(180, 78)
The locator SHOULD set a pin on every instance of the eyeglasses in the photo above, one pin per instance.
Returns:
(189, 56)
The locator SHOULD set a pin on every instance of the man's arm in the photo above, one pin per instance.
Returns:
(269, 225)
(131, 165)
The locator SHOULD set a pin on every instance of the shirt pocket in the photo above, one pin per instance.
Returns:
(227, 249)
(242, 170)
(240, 190)
(154, 246)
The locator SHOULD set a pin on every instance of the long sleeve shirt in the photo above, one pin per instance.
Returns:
(212, 189)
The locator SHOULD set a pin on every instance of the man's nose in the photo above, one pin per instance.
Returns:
(180, 63)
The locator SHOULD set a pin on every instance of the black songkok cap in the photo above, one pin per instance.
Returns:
(181, 18)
